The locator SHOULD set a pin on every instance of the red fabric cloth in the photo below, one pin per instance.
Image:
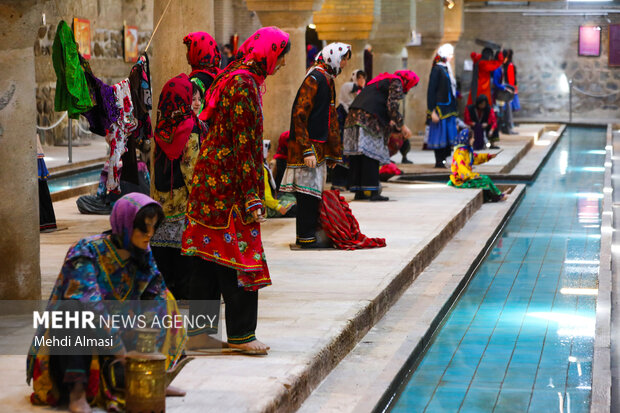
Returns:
(282, 151)
(485, 68)
(341, 226)
(390, 169)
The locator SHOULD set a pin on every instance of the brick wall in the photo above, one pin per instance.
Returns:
(545, 50)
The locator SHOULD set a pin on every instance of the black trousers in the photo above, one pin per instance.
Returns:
(404, 150)
(363, 173)
(280, 168)
(47, 218)
(340, 176)
(307, 220)
(176, 269)
(441, 154)
(241, 306)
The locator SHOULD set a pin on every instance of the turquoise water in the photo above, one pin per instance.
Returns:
(520, 338)
(71, 181)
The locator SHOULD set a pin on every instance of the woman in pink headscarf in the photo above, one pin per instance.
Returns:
(203, 55)
(225, 205)
(373, 116)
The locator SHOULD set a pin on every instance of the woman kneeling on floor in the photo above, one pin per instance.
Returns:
(116, 266)
(462, 175)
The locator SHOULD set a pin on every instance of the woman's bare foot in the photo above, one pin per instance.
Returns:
(77, 400)
(204, 341)
(172, 391)
(253, 347)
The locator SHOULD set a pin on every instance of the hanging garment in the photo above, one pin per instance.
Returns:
(104, 112)
(72, 92)
(119, 133)
(341, 226)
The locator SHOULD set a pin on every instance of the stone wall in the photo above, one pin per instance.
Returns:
(545, 50)
(106, 61)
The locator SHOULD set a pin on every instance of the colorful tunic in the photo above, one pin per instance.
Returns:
(462, 161)
(174, 199)
(366, 133)
(93, 271)
(228, 186)
(315, 131)
(481, 83)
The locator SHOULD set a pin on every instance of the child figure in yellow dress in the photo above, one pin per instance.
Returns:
(463, 176)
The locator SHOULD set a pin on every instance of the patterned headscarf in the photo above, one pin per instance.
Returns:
(263, 48)
(407, 77)
(202, 53)
(462, 138)
(332, 55)
(124, 214)
(175, 117)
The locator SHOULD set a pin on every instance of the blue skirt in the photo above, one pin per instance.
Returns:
(442, 134)
(516, 105)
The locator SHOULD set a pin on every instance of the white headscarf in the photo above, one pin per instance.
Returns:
(332, 54)
(446, 51)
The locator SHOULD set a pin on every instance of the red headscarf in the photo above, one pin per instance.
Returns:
(263, 47)
(407, 77)
(175, 117)
(203, 55)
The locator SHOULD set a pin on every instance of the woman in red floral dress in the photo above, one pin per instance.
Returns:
(225, 204)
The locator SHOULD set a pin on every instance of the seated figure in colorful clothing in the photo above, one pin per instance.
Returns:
(462, 175)
(116, 266)
(276, 205)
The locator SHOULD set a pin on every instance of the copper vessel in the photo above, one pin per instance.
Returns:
(145, 376)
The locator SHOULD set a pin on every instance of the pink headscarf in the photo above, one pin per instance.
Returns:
(263, 47)
(408, 78)
(124, 214)
(203, 55)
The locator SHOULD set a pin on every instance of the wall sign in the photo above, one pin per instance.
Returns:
(81, 31)
(130, 34)
(589, 40)
(614, 45)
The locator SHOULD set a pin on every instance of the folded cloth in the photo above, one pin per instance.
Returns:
(341, 226)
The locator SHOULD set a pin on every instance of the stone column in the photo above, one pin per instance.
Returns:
(20, 275)
(168, 51)
(292, 17)
(430, 24)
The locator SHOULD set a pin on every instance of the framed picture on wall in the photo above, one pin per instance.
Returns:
(130, 35)
(614, 45)
(590, 41)
(81, 31)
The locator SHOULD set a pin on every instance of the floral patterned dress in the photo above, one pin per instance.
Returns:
(94, 272)
(228, 186)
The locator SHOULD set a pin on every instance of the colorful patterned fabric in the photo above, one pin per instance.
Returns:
(462, 160)
(481, 182)
(93, 271)
(119, 133)
(203, 54)
(442, 133)
(341, 226)
(72, 93)
(256, 58)
(305, 102)
(332, 55)
(228, 186)
(309, 181)
(175, 117)
(174, 200)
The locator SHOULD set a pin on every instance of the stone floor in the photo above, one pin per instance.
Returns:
(321, 304)
(316, 310)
